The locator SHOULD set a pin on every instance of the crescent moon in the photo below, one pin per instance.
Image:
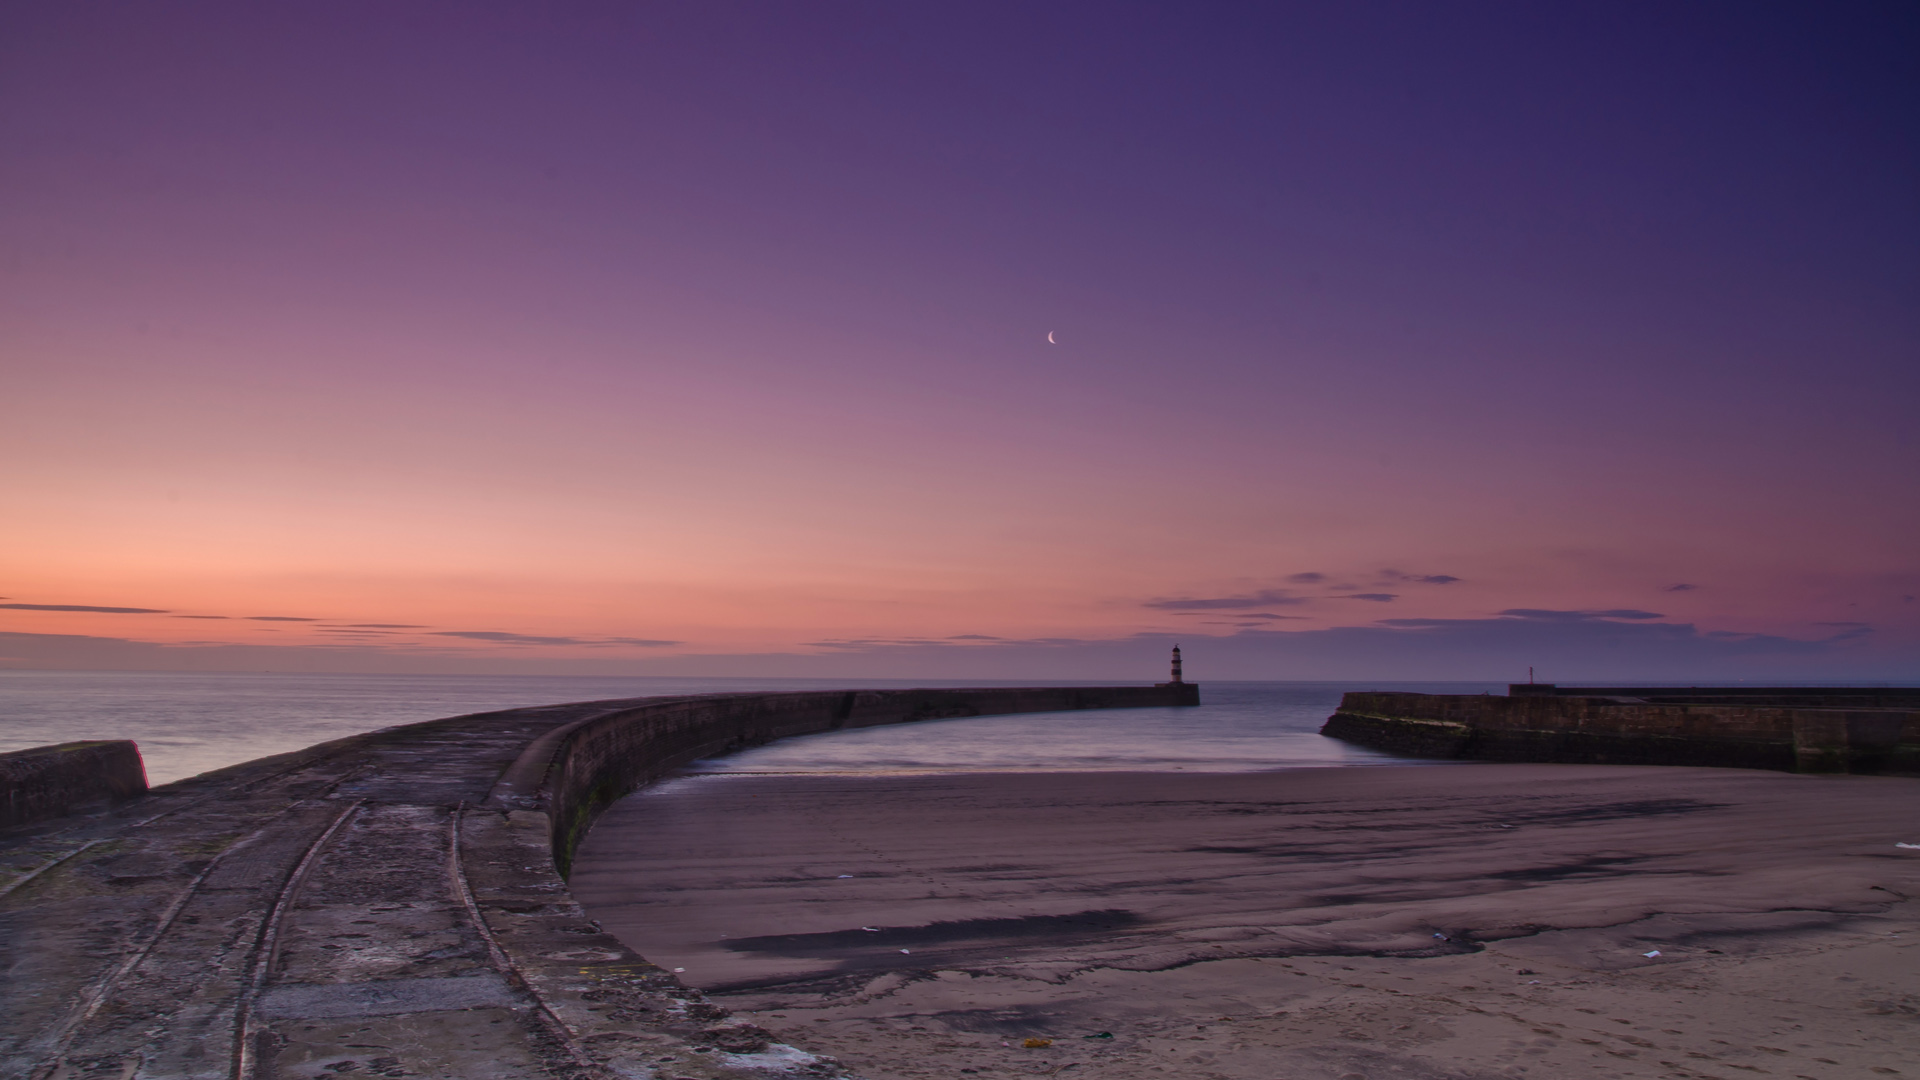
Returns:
(1050, 340)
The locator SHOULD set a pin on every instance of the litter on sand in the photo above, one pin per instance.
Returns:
(679, 969)
(1443, 937)
(904, 952)
(1099, 1035)
(871, 929)
(1036, 1044)
(1651, 955)
(846, 875)
(1904, 844)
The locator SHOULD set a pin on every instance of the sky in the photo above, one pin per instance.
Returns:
(1388, 340)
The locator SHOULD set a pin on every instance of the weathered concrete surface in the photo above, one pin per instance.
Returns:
(1747, 728)
(54, 781)
(389, 904)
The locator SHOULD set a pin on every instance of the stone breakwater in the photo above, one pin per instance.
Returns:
(394, 904)
(54, 781)
(1798, 729)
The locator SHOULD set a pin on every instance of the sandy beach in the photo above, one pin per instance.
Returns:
(1452, 922)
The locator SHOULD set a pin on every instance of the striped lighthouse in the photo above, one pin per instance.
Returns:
(1180, 691)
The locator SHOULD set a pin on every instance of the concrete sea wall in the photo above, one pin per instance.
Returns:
(53, 781)
(1784, 697)
(394, 903)
(1627, 729)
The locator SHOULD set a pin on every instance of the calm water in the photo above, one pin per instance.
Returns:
(190, 723)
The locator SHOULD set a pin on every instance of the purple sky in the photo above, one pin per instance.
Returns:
(712, 338)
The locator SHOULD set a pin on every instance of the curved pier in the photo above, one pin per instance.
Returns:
(393, 904)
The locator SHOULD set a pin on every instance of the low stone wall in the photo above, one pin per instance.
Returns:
(53, 781)
(1608, 730)
(580, 770)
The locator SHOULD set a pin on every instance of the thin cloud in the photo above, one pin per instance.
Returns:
(1263, 598)
(86, 607)
(1376, 597)
(880, 643)
(379, 625)
(203, 616)
(1401, 576)
(956, 642)
(1236, 615)
(1546, 615)
(1311, 577)
(278, 618)
(505, 638)
(1682, 587)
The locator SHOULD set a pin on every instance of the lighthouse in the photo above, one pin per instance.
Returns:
(1179, 690)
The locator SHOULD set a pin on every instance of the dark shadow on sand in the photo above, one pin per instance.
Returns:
(1028, 930)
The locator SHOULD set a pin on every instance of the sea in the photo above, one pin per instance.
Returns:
(189, 723)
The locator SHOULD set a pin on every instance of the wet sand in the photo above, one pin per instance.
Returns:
(1456, 922)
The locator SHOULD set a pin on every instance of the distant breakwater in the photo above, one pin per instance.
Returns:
(395, 903)
(1796, 729)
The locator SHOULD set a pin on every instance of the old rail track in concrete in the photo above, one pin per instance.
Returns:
(394, 905)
